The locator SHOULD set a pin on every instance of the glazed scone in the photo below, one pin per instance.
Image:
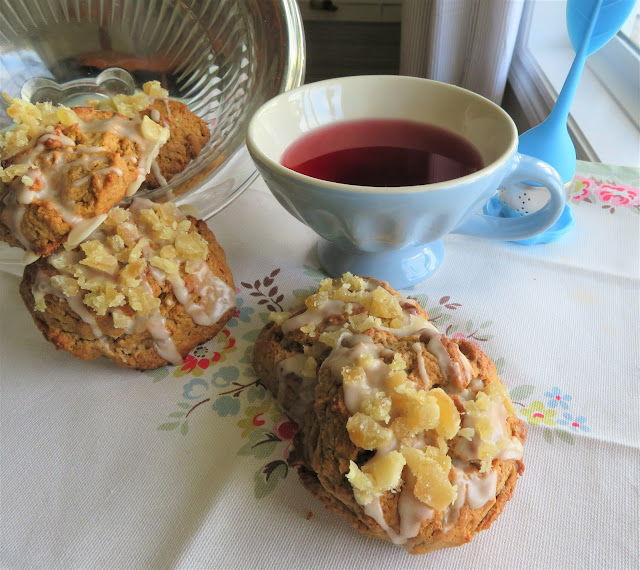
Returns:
(143, 289)
(63, 169)
(407, 434)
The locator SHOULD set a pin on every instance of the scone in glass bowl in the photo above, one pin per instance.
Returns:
(222, 58)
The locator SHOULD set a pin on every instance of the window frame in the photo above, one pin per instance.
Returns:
(604, 121)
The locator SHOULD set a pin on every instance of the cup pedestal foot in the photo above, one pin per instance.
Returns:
(401, 268)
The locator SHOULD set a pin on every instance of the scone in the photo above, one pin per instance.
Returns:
(143, 289)
(65, 168)
(407, 434)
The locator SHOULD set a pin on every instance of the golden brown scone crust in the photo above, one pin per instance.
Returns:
(323, 449)
(189, 134)
(62, 326)
(42, 225)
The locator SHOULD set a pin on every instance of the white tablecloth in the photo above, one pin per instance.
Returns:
(184, 467)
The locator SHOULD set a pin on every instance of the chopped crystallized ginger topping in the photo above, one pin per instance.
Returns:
(109, 270)
(34, 119)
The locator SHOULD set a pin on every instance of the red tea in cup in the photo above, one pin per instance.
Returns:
(382, 152)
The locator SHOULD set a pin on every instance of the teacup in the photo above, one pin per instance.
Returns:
(394, 233)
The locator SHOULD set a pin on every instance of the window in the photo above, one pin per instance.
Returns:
(605, 116)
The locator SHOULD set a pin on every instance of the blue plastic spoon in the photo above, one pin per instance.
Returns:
(591, 24)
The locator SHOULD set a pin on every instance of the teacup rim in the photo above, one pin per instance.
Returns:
(258, 154)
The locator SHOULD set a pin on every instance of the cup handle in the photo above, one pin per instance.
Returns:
(525, 169)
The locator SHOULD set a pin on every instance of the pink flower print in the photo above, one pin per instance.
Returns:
(192, 365)
(582, 189)
(625, 196)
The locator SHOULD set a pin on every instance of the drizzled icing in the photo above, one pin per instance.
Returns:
(90, 268)
(413, 456)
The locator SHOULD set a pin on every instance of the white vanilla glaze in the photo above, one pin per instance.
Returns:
(52, 176)
(474, 490)
(457, 376)
(155, 170)
(349, 348)
(314, 316)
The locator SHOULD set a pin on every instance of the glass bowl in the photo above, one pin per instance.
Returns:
(222, 58)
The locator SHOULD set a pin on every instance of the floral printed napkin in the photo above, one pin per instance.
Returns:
(186, 467)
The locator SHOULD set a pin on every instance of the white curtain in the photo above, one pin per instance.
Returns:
(465, 42)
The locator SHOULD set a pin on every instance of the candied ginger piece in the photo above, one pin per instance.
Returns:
(129, 105)
(279, 318)
(467, 433)
(377, 405)
(66, 116)
(136, 251)
(130, 275)
(169, 266)
(168, 252)
(377, 476)
(354, 282)
(120, 319)
(68, 285)
(449, 423)
(153, 131)
(115, 243)
(154, 89)
(191, 246)
(366, 433)
(183, 226)
(362, 322)
(14, 140)
(13, 171)
(330, 338)
(142, 300)
(362, 483)
(118, 216)
(386, 470)
(385, 305)
(398, 363)
(40, 303)
(98, 257)
(316, 300)
(128, 232)
(423, 412)
(432, 485)
(309, 329)
(103, 298)
(156, 226)
(487, 452)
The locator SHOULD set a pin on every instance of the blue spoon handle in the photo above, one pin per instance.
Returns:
(560, 112)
